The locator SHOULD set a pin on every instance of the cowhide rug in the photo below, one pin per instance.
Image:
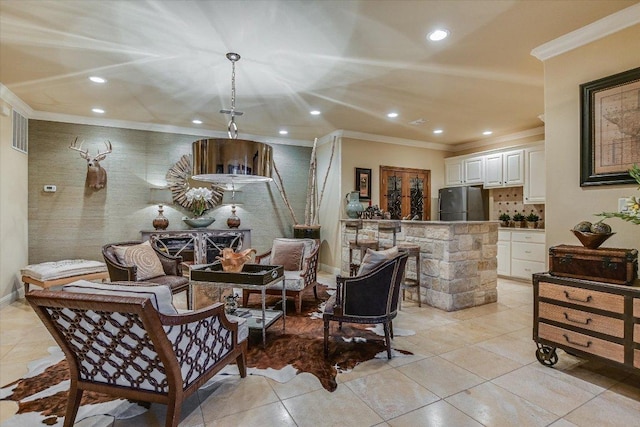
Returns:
(42, 394)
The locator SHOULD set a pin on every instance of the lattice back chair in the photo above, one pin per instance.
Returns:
(123, 346)
(370, 298)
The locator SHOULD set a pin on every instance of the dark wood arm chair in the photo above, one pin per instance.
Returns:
(300, 260)
(171, 266)
(368, 299)
(123, 346)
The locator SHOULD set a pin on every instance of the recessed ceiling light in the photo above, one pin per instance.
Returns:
(98, 110)
(196, 122)
(97, 79)
(437, 35)
(283, 132)
(314, 112)
(487, 132)
(392, 115)
(437, 131)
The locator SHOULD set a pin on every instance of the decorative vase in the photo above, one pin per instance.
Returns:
(198, 222)
(532, 224)
(160, 222)
(233, 221)
(354, 207)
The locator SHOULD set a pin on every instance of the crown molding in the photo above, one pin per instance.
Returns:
(608, 25)
(16, 103)
(497, 140)
(396, 141)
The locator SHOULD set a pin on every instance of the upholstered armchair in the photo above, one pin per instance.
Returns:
(300, 260)
(369, 298)
(129, 341)
(140, 261)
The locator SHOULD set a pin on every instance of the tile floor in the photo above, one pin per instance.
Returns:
(470, 368)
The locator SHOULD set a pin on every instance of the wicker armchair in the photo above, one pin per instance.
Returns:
(300, 260)
(370, 298)
(123, 346)
(172, 266)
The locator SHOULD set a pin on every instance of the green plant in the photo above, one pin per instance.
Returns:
(504, 217)
(518, 217)
(532, 217)
(632, 212)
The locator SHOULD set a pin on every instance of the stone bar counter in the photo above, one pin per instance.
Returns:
(458, 259)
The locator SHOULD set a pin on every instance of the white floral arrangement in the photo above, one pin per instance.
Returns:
(632, 208)
(198, 199)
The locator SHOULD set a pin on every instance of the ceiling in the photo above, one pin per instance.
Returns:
(354, 61)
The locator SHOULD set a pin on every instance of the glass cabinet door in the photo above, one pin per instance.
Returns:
(405, 192)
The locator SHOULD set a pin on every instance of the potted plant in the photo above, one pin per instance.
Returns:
(518, 219)
(505, 218)
(532, 220)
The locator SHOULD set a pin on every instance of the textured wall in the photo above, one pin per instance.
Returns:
(75, 221)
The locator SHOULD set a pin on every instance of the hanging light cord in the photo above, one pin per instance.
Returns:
(232, 127)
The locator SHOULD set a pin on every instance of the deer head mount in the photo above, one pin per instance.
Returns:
(96, 175)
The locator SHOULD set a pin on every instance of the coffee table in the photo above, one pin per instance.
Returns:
(260, 318)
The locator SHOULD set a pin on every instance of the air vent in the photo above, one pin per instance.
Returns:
(20, 132)
(417, 122)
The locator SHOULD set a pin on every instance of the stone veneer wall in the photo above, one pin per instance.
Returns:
(457, 260)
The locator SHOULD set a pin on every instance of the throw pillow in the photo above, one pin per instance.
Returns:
(142, 256)
(288, 253)
(373, 259)
(160, 295)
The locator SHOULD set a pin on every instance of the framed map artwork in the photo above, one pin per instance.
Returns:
(610, 129)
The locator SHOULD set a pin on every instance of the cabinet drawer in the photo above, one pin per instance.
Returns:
(584, 297)
(528, 251)
(636, 359)
(504, 236)
(636, 333)
(582, 342)
(527, 236)
(636, 307)
(583, 319)
(524, 269)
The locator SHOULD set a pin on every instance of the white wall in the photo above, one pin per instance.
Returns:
(13, 212)
(567, 202)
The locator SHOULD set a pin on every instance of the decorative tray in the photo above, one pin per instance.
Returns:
(251, 274)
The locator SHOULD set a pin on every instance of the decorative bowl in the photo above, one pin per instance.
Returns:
(591, 240)
(198, 222)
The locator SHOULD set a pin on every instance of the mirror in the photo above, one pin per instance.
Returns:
(179, 182)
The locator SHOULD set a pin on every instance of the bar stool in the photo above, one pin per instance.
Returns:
(358, 244)
(413, 251)
(389, 226)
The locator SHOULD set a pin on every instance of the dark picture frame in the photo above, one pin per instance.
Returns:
(608, 143)
(363, 183)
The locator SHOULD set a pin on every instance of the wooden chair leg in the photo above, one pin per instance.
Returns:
(241, 360)
(391, 328)
(189, 305)
(326, 338)
(73, 403)
(315, 290)
(298, 300)
(387, 340)
(245, 297)
(173, 413)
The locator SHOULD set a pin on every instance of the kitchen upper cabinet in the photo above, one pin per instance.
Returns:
(535, 175)
(505, 169)
(464, 171)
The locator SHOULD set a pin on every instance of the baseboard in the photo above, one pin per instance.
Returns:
(13, 296)
(329, 269)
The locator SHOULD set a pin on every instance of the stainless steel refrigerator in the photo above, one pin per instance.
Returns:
(463, 204)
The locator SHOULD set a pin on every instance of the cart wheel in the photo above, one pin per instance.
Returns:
(547, 356)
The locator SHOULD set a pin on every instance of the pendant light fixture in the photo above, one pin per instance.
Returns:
(231, 161)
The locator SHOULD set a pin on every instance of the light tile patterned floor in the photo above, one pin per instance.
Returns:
(470, 368)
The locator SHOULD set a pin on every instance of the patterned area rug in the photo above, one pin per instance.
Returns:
(42, 393)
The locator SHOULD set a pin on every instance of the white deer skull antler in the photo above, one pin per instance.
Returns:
(103, 155)
(83, 153)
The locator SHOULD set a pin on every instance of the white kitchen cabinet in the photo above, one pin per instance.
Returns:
(453, 172)
(504, 169)
(504, 253)
(521, 253)
(535, 171)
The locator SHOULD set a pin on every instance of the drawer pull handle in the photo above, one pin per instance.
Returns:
(527, 252)
(581, 322)
(587, 345)
(566, 294)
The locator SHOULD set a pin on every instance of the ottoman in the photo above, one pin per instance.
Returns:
(56, 273)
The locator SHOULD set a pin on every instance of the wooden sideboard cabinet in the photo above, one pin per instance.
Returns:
(593, 320)
(198, 245)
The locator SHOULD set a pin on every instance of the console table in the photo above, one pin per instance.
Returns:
(198, 245)
(590, 319)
